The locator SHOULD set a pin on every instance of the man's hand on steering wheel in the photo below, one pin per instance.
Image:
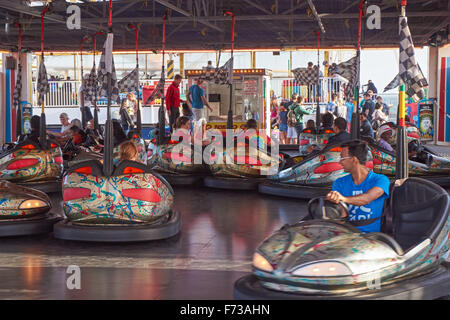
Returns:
(335, 197)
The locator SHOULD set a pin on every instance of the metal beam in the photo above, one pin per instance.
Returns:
(273, 17)
(299, 6)
(257, 6)
(18, 7)
(125, 7)
(187, 14)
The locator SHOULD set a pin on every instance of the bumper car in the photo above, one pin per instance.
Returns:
(422, 161)
(241, 167)
(24, 211)
(312, 177)
(28, 164)
(183, 171)
(331, 259)
(133, 204)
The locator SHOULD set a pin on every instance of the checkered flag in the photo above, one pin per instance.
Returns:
(305, 76)
(91, 86)
(224, 74)
(409, 71)
(157, 93)
(208, 73)
(18, 88)
(42, 84)
(349, 70)
(393, 84)
(130, 82)
(107, 66)
(346, 69)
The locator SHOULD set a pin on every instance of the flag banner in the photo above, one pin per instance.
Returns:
(42, 84)
(346, 69)
(409, 71)
(157, 93)
(393, 84)
(305, 76)
(222, 75)
(91, 85)
(107, 66)
(349, 70)
(18, 88)
(130, 82)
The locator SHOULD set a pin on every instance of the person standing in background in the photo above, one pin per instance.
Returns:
(173, 101)
(196, 96)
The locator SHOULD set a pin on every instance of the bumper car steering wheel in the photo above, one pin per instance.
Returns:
(319, 208)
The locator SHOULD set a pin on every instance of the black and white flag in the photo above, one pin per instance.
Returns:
(18, 88)
(42, 84)
(157, 93)
(349, 70)
(222, 75)
(305, 76)
(130, 82)
(91, 85)
(346, 69)
(409, 70)
(107, 66)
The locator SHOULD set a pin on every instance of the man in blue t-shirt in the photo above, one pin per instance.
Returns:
(362, 190)
(196, 96)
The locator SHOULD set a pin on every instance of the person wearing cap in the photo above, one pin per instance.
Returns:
(85, 104)
(65, 127)
(384, 134)
(363, 190)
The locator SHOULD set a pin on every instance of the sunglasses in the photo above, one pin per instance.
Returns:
(343, 158)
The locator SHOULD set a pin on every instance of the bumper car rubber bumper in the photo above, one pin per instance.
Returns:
(66, 230)
(30, 226)
(46, 186)
(231, 183)
(292, 190)
(442, 180)
(178, 179)
(430, 286)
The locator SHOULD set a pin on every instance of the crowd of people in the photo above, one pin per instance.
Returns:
(288, 116)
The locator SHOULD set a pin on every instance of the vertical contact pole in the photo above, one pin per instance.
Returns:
(401, 161)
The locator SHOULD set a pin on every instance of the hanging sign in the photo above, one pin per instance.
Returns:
(374, 17)
(74, 20)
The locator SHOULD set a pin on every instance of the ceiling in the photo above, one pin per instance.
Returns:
(201, 24)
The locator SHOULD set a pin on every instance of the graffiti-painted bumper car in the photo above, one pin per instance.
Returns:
(239, 168)
(133, 204)
(24, 211)
(26, 163)
(422, 162)
(329, 259)
(309, 178)
(178, 167)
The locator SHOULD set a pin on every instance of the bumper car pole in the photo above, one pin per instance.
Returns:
(162, 112)
(230, 124)
(96, 124)
(107, 156)
(318, 83)
(83, 118)
(401, 163)
(43, 127)
(355, 124)
(19, 71)
(138, 111)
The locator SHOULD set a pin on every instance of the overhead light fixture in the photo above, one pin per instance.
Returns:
(37, 3)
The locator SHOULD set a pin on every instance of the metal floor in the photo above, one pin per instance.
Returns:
(220, 230)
